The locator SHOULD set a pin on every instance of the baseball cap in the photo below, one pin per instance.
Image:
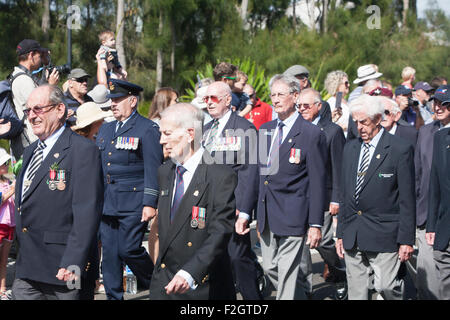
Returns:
(77, 73)
(402, 90)
(28, 45)
(296, 70)
(442, 93)
(425, 86)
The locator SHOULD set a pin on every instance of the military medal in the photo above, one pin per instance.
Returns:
(291, 156)
(201, 218)
(194, 219)
(52, 175)
(61, 180)
(295, 156)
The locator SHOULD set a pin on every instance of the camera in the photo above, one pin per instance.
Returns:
(63, 69)
(412, 102)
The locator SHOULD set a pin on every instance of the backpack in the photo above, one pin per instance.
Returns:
(7, 109)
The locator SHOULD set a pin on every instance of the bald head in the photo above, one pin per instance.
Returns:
(218, 98)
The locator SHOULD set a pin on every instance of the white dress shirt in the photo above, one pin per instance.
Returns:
(372, 146)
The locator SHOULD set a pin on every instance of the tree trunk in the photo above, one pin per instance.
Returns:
(405, 12)
(174, 41)
(244, 7)
(46, 19)
(294, 15)
(159, 58)
(119, 33)
(325, 16)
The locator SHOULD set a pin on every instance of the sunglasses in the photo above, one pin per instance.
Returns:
(38, 110)
(306, 105)
(81, 80)
(347, 84)
(387, 112)
(227, 77)
(214, 99)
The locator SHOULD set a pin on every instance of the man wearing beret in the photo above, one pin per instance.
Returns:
(131, 155)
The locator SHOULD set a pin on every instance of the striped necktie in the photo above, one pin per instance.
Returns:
(179, 191)
(212, 133)
(35, 163)
(276, 144)
(362, 171)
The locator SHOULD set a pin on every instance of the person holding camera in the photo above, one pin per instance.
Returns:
(30, 55)
(409, 107)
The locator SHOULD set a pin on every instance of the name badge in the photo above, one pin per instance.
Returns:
(385, 175)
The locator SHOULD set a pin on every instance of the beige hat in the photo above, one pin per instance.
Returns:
(89, 113)
(367, 72)
(4, 156)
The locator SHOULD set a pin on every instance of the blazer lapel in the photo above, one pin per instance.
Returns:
(56, 154)
(378, 157)
(27, 155)
(127, 126)
(289, 141)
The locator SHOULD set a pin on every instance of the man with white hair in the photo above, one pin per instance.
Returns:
(376, 224)
(196, 210)
(390, 121)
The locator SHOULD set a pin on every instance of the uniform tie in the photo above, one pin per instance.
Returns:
(179, 191)
(212, 133)
(362, 171)
(35, 163)
(119, 125)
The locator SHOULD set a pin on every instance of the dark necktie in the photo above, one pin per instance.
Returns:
(276, 144)
(362, 171)
(179, 191)
(35, 163)
(119, 125)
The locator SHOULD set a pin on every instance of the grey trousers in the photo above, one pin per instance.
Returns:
(442, 259)
(385, 266)
(24, 289)
(427, 274)
(281, 262)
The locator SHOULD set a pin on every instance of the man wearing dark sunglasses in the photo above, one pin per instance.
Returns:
(221, 139)
(76, 93)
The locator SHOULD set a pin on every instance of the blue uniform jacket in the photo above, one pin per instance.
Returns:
(130, 176)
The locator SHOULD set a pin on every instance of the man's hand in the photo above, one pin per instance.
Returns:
(334, 209)
(148, 213)
(405, 252)
(53, 77)
(66, 275)
(430, 236)
(314, 237)
(241, 226)
(340, 248)
(177, 285)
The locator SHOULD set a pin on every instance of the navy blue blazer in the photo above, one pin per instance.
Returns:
(409, 133)
(422, 162)
(384, 217)
(438, 220)
(293, 198)
(56, 229)
(243, 162)
(335, 146)
(130, 176)
(200, 252)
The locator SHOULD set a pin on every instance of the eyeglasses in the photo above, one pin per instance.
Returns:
(38, 110)
(387, 112)
(279, 95)
(214, 99)
(227, 77)
(306, 105)
(81, 80)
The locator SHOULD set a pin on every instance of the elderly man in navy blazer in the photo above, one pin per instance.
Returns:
(427, 282)
(292, 190)
(438, 220)
(59, 195)
(232, 140)
(376, 223)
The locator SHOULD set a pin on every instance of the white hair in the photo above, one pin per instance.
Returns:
(290, 81)
(372, 106)
(315, 93)
(184, 115)
(395, 107)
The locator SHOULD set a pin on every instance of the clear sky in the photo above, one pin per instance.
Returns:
(423, 5)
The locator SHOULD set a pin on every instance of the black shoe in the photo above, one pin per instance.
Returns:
(341, 291)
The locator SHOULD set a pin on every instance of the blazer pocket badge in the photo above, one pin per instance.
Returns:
(295, 156)
(198, 219)
(127, 143)
(57, 178)
(385, 175)
(164, 193)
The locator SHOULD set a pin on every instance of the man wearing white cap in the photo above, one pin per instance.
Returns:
(366, 72)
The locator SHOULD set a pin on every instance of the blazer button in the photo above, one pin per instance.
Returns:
(108, 164)
(163, 265)
(18, 209)
(189, 244)
(112, 142)
(24, 230)
(266, 183)
(134, 189)
(109, 153)
(359, 212)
